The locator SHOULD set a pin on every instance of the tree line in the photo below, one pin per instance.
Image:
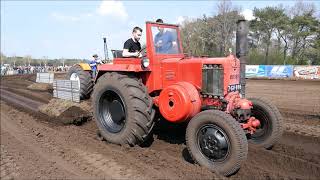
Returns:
(277, 34)
(28, 60)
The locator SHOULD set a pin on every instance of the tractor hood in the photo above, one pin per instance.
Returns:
(212, 76)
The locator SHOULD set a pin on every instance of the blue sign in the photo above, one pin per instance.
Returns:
(255, 71)
(279, 71)
(273, 71)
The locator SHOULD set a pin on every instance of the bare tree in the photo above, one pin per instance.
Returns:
(300, 8)
(27, 60)
(226, 25)
(45, 59)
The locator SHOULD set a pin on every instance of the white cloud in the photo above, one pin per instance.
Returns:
(112, 8)
(248, 14)
(181, 19)
(63, 17)
(106, 8)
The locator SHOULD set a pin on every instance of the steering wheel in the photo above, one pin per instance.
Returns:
(143, 52)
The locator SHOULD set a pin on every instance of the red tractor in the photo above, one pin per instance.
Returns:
(208, 93)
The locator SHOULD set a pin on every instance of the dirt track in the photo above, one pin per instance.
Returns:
(35, 146)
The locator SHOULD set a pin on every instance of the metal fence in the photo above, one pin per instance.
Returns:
(66, 89)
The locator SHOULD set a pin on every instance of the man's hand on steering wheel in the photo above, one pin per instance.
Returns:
(142, 52)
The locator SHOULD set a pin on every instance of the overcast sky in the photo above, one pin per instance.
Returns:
(74, 29)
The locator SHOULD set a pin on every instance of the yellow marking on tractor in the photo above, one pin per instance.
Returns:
(85, 66)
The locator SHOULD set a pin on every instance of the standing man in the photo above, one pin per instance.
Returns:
(132, 46)
(93, 65)
(164, 41)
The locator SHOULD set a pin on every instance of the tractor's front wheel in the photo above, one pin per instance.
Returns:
(271, 124)
(122, 109)
(215, 140)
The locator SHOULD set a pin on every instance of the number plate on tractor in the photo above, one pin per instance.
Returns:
(234, 87)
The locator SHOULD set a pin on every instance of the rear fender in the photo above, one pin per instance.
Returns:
(134, 68)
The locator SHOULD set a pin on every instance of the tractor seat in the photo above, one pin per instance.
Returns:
(117, 53)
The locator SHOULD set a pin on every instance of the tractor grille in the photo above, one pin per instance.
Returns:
(212, 80)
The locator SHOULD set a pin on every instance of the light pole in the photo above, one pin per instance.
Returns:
(14, 61)
(62, 62)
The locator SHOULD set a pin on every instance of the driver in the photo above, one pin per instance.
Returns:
(165, 42)
(132, 46)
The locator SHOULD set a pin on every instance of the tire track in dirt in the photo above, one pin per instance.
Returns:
(300, 147)
(279, 163)
(163, 163)
(40, 96)
(20, 100)
(39, 147)
(56, 147)
(303, 124)
(8, 167)
(102, 165)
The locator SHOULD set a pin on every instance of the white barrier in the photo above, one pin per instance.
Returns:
(45, 77)
(66, 89)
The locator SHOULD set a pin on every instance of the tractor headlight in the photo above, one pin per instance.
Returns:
(145, 62)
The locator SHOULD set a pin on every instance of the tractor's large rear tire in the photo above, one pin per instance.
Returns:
(84, 80)
(215, 140)
(122, 109)
(271, 127)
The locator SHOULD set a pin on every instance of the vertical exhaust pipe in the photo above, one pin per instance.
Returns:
(242, 51)
(105, 46)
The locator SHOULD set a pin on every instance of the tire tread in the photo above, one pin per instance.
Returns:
(271, 108)
(241, 142)
(142, 121)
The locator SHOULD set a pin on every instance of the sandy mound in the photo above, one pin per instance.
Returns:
(67, 111)
(40, 86)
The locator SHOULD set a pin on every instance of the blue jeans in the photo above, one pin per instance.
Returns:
(94, 73)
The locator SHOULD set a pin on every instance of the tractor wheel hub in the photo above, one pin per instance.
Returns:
(213, 142)
(112, 111)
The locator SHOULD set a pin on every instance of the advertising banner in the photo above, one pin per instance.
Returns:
(255, 71)
(307, 72)
(275, 71)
